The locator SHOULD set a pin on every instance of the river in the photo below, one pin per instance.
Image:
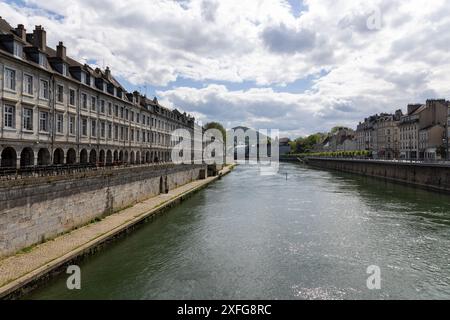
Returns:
(310, 236)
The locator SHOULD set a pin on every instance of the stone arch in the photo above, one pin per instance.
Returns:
(125, 157)
(121, 156)
(27, 158)
(109, 157)
(9, 158)
(102, 157)
(116, 156)
(132, 157)
(147, 157)
(93, 157)
(84, 156)
(71, 157)
(138, 157)
(58, 156)
(161, 185)
(43, 157)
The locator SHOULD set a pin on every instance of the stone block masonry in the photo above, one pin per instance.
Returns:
(37, 209)
(434, 177)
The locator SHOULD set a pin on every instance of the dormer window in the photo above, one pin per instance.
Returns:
(18, 50)
(83, 77)
(65, 70)
(42, 60)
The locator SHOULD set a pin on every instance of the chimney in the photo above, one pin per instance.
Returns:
(40, 38)
(21, 32)
(108, 73)
(413, 107)
(61, 51)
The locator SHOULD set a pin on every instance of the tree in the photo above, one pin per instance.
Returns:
(218, 126)
(306, 144)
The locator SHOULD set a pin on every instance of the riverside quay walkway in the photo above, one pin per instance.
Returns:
(27, 269)
(433, 175)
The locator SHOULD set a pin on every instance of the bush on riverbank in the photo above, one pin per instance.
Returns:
(338, 154)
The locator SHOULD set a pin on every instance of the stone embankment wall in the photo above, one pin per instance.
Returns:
(37, 209)
(431, 176)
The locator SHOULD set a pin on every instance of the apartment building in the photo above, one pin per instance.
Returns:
(55, 110)
(365, 134)
(422, 129)
(386, 142)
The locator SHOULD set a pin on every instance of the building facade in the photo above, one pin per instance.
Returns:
(365, 134)
(55, 110)
(422, 130)
(386, 142)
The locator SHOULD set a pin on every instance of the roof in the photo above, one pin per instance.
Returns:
(7, 31)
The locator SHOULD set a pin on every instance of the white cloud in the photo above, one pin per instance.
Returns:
(261, 41)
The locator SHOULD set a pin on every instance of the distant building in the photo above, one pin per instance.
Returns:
(422, 120)
(342, 140)
(365, 134)
(386, 142)
(430, 139)
(285, 146)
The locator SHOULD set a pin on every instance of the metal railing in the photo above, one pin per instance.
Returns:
(60, 170)
(404, 160)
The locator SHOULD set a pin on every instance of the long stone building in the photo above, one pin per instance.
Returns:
(55, 110)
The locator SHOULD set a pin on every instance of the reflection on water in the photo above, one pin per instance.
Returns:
(252, 237)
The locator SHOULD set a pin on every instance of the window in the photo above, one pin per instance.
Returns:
(126, 114)
(44, 93)
(59, 123)
(18, 50)
(138, 118)
(132, 116)
(10, 116)
(93, 103)
(43, 121)
(60, 93)
(42, 60)
(102, 106)
(116, 132)
(84, 100)
(93, 128)
(72, 97)
(102, 129)
(143, 136)
(121, 112)
(71, 125)
(116, 110)
(84, 127)
(109, 131)
(28, 84)
(10, 79)
(65, 71)
(132, 135)
(83, 77)
(28, 119)
(109, 108)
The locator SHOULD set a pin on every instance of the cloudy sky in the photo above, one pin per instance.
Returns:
(298, 66)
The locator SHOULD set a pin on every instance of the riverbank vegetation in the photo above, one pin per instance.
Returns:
(338, 154)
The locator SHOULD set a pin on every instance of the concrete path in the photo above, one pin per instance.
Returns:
(19, 270)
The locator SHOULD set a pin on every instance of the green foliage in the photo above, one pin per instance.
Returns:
(338, 128)
(338, 154)
(304, 145)
(218, 126)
